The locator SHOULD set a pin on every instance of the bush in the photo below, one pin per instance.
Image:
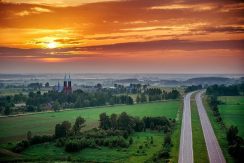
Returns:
(167, 140)
(164, 154)
(60, 142)
(131, 141)
(72, 146)
(40, 139)
(21, 146)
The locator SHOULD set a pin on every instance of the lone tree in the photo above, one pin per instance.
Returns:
(79, 123)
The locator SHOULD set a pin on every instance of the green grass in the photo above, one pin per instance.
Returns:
(199, 145)
(232, 112)
(105, 154)
(219, 131)
(176, 136)
(15, 128)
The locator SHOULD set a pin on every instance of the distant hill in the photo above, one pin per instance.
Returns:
(169, 82)
(132, 80)
(209, 81)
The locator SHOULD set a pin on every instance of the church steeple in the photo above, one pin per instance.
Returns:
(65, 84)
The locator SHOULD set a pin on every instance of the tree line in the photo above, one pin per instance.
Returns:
(52, 100)
(223, 90)
(155, 94)
(235, 142)
(193, 88)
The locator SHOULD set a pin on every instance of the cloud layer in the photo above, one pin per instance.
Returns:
(124, 32)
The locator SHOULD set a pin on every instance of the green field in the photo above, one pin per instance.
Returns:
(15, 128)
(232, 112)
(132, 154)
(197, 136)
(219, 131)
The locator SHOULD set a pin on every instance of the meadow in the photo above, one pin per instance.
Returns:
(232, 112)
(134, 153)
(15, 128)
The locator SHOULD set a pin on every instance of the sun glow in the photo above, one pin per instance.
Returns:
(52, 45)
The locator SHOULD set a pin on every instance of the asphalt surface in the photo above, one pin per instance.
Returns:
(186, 149)
(214, 151)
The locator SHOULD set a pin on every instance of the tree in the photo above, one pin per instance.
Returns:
(78, 124)
(232, 134)
(125, 122)
(63, 129)
(138, 99)
(131, 141)
(113, 121)
(167, 140)
(56, 106)
(104, 121)
(143, 98)
(7, 110)
(29, 135)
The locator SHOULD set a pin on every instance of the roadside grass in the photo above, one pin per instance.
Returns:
(199, 145)
(15, 128)
(232, 112)
(176, 135)
(132, 154)
(219, 131)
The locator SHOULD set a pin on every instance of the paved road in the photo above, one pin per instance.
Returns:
(186, 149)
(214, 151)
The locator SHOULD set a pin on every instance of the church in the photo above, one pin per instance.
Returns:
(67, 85)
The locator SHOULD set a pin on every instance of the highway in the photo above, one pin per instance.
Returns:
(186, 149)
(214, 151)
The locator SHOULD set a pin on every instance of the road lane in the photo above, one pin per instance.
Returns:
(186, 149)
(214, 151)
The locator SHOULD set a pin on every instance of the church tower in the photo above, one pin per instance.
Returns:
(69, 85)
(65, 84)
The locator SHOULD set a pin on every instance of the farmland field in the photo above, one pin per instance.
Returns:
(15, 128)
(232, 112)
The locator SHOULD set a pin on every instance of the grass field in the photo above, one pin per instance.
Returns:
(199, 145)
(15, 128)
(232, 112)
(130, 155)
(219, 131)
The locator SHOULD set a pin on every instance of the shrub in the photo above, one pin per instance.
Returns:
(131, 141)
(72, 146)
(21, 146)
(167, 140)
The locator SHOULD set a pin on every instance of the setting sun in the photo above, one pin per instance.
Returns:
(52, 45)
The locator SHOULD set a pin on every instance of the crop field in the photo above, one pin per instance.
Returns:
(232, 112)
(15, 128)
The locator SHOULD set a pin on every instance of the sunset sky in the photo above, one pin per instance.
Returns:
(151, 36)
